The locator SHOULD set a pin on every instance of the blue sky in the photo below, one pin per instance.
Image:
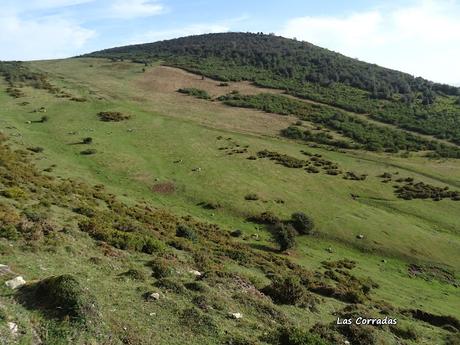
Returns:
(417, 36)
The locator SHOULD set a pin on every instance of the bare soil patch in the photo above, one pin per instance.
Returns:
(164, 188)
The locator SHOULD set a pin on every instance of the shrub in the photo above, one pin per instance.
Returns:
(87, 140)
(266, 217)
(88, 152)
(13, 193)
(286, 290)
(185, 232)
(152, 245)
(197, 286)
(170, 285)
(61, 296)
(44, 119)
(112, 116)
(285, 236)
(197, 321)
(251, 196)
(160, 268)
(9, 232)
(294, 336)
(236, 233)
(302, 223)
(134, 274)
(202, 94)
(36, 149)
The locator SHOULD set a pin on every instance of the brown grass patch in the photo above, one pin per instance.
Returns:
(164, 188)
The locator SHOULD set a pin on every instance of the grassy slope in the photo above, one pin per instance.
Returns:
(129, 162)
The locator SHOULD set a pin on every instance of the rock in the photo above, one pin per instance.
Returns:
(28, 122)
(236, 316)
(195, 273)
(13, 328)
(154, 296)
(360, 236)
(15, 282)
(346, 342)
(4, 270)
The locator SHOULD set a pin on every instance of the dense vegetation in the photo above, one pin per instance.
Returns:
(371, 137)
(305, 70)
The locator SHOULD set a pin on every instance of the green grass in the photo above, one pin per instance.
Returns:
(134, 155)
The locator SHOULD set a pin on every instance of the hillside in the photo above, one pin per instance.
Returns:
(145, 204)
(305, 70)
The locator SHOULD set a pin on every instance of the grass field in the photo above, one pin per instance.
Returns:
(168, 153)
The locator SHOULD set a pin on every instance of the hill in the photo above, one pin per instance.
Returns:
(143, 203)
(308, 71)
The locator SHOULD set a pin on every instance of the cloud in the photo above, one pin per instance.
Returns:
(421, 39)
(43, 38)
(194, 29)
(124, 9)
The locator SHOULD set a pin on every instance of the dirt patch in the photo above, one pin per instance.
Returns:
(164, 188)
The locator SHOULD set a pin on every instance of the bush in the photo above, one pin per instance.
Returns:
(302, 223)
(236, 233)
(36, 149)
(88, 152)
(134, 274)
(9, 232)
(62, 297)
(44, 119)
(112, 116)
(198, 93)
(160, 268)
(286, 290)
(285, 236)
(185, 232)
(265, 218)
(198, 322)
(294, 336)
(251, 196)
(87, 140)
(15, 193)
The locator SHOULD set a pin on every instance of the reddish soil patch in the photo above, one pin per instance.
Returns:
(164, 188)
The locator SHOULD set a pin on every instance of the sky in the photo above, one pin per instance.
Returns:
(421, 37)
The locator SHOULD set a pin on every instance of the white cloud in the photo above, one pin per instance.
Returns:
(125, 9)
(195, 29)
(422, 39)
(44, 38)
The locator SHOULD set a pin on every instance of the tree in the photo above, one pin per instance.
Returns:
(87, 140)
(285, 236)
(302, 223)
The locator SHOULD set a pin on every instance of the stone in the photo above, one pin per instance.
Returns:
(195, 273)
(15, 282)
(360, 236)
(13, 328)
(154, 296)
(236, 316)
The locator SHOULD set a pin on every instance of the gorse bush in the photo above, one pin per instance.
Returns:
(286, 290)
(61, 296)
(302, 223)
(112, 116)
(185, 232)
(202, 94)
(284, 235)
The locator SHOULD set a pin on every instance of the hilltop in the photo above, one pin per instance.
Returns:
(227, 189)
